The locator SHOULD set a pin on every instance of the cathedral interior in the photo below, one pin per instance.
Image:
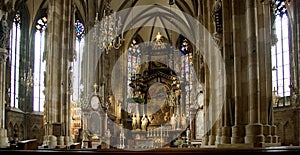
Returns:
(134, 75)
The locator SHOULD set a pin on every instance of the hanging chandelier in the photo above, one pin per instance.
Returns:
(106, 34)
(28, 79)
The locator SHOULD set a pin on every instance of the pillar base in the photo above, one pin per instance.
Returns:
(218, 136)
(52, 140)
(3, 138)
(61, 141)
(226, 132)
(68, 140)
(254, 135)
(267, 133)
(211, 139)
(238, 134)
(274, 134)
(205, 140)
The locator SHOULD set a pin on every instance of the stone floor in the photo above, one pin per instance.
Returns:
(267, 150)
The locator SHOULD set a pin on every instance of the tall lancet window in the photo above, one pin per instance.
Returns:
(76, 65)
(186, 72)
(75, 76)
(281, 56)
(14, 57)
(134, 60)
(39, 65)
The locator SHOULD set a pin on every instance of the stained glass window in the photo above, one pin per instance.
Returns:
(75, 75)
(281, 56)
(79, 30)
(39, 65)
(15, 60)
(77, 62)
(134, 60)
(186, 72)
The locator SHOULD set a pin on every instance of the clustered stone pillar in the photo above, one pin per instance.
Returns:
(59, 57)
(238, 129)
(227, 52)
(247, 108)
(3, 131)
(254, 128)
(4, 38)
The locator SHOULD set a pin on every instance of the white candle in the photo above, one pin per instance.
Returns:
(96, 16)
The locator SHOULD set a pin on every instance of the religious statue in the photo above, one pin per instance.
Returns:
(144, 123)
(167, 117)
(107, 133)
(217, 18)
(107, 137)
(134, 122)
(173, 122)
(183, 121)
(171, 102)
(150, 118)
(217, 15)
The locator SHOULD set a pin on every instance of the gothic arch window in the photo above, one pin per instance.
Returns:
(76, 65)
(15, 37)
(75, 75)
(186, 72)
(281, 56)
(39, 65)
(134, 60)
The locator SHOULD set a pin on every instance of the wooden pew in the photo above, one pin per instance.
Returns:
(30, 144)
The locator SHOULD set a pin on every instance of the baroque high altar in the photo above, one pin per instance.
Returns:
(157, 110)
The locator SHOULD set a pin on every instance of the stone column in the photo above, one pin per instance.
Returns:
(213, 99)
(254, 130)
(58, 63)
(4, 42)
(266, 64)
(238, 130)
(3, 131)
(206, 119)
(227, 52)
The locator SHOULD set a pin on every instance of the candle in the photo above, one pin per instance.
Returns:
(96, 16)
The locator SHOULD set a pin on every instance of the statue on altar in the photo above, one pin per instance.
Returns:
(183, 121)
(134, 122)
(144, 123)
(150, 118)
(167, 116)
(173, 121)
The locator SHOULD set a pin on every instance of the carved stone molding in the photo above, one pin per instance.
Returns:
(3, 55)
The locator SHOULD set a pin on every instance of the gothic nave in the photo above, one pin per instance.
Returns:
(160, 76)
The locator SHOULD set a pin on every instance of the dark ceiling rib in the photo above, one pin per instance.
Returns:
(101, 11)
(166, 16)
(83, 6)
(126, 4)
(167, 32)
(195, 4)
(152, 29)
(185, 8)
(128, 13)
(186, 13)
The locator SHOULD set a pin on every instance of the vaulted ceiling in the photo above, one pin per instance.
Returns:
(142, 18)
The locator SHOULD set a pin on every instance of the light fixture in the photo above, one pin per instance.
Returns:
(106, 33)
(28, 79)
(96, 86)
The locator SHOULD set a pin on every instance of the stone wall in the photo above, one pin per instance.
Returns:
(25, 125)
(287, 121)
